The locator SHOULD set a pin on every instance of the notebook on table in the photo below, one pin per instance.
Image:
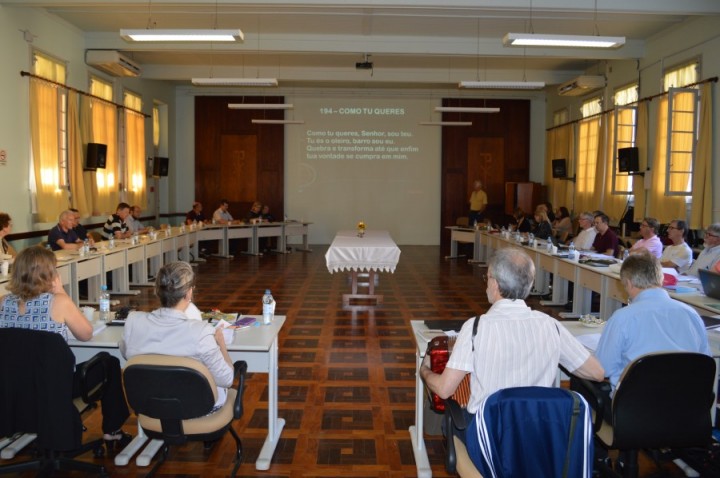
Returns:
(710, 282)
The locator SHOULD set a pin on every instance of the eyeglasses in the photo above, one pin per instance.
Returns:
(673, 227)
(711, 234)
(487, 277)
(644, 225)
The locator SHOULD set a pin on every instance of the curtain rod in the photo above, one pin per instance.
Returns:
(70, 88)
(714, 79)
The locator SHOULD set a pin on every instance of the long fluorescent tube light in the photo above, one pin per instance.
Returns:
(260, 106)
(465, 109)
(276, 121)
(576, 41)
(503, 85)
(445, 123)
(177, 35)
(235, 81)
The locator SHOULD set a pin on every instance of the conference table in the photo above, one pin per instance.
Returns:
(423, 335)
(257, 345)
(370, 253)
(253, 232)
(465, 235)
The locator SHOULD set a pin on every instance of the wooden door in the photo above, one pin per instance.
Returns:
(238, 168)
(486, 162)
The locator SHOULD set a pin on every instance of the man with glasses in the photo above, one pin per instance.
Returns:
(709, 256)
(513, 345)
(606, 241)
(586, 236)
(678, 255)
(649, 241)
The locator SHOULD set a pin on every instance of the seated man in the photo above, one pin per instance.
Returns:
(133, 221)
(650, 241)
(195, 215)
(606, 241)
(585, 238)
(63, 236)
(221, 214)
(79, 228)
(710, 255)
(254, 214)
(678, 255)
(115, 225)
(514, 345)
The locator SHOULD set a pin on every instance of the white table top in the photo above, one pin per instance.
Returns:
(375, 251)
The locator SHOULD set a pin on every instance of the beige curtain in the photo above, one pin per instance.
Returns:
(90, 177)
(104, 130)
(701, 212)
(641, 141)
(560, 144)
(135, 158)
(81, 200)
(660, 206)
(611, 204)
(588, 140)
(44, 108)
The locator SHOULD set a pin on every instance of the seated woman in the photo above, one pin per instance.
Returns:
(562, 226)
(169, 331)
(37, 301)
(543, 227)
(5, 227)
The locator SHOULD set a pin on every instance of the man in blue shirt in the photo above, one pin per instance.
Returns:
(63, 236)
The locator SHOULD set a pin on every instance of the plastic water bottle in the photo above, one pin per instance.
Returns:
(626, 253)
(268, 307)
(86, 246)
(549, 245)
(111, 242)
(571, 250)
(104, 303)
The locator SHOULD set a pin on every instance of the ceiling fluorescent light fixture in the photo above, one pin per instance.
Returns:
(465, 109)
(573, 41)
(445, 123)
(260, 106)
(235, 81)
(277, 121)
(176, 35)
(503, 85)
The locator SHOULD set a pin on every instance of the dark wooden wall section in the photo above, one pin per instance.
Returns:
(495, 149)
(236, 159)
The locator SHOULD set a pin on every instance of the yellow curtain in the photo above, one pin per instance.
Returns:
(701, 212)
(90, 177)
(135, 158)
(585, 197)
(611, 204)
(560, 145)
(660, 206)
(156, 128)
(641, 141)
(104, 130)
(80, 199)
(44, 127)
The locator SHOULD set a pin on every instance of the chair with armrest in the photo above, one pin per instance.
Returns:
(520, 432)
(173, 396)
(662, 400)
(36, 377)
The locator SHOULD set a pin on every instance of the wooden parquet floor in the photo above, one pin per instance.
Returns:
(346, 378)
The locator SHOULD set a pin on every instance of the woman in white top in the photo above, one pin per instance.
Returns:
(679, 255)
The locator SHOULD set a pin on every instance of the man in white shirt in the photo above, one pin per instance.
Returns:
(221, 214)
(133, 221)
(514, 345)
(586, 236)
(709, 256)
(678, 255)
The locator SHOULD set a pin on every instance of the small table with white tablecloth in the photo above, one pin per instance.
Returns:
(374, 252)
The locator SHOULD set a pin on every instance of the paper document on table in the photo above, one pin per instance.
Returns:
(97, 328)
(590, 341)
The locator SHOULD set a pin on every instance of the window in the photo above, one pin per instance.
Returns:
(587, 155)
(134, 149)
(561, 117)
(682, 108)
(104, 127)
(591, 107)
(625, 128)
(48, 135)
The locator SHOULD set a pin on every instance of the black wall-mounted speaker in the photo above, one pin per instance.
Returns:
(95, 156)
(161, 166)
(559, 168)
(628, 160)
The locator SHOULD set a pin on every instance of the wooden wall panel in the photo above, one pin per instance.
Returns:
(236, 159)
(503, 139)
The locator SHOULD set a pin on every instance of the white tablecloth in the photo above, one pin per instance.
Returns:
(375, 251)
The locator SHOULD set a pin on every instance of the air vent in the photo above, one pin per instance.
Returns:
(112, 62)
(581, 85)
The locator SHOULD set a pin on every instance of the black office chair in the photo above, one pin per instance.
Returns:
(527, 431)
(173, 396)
(36, 379)
(663, 400)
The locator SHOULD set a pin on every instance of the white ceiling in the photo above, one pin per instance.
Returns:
(412, 43)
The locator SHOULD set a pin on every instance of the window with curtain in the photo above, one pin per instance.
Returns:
(682, 104)
(587, 155)
(625, 130)
(103, 129)
(561, 117)
(156, 129)
(48, 125)
(135, 149)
